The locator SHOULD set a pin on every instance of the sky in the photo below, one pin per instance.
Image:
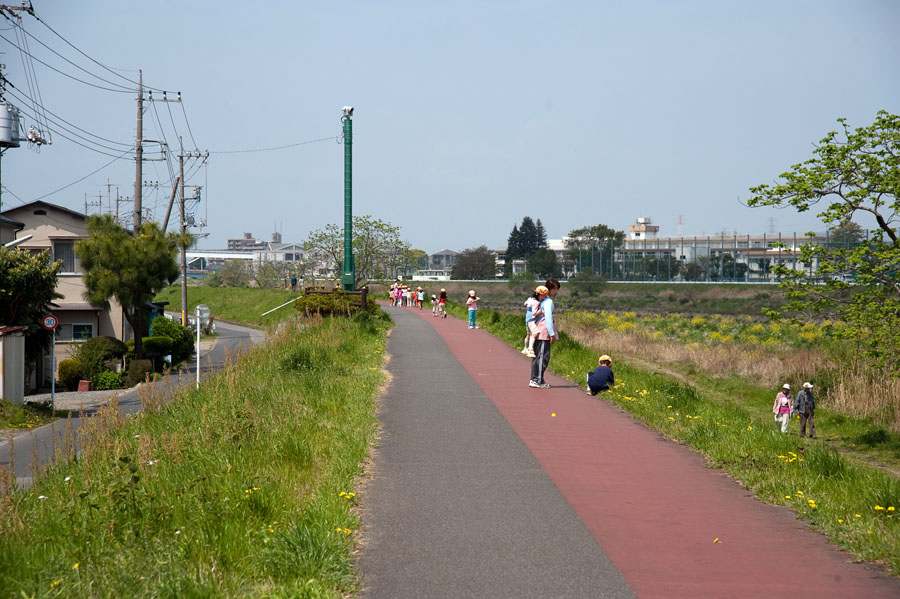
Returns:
(468, 115)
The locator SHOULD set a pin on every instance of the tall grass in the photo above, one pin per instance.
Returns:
(241, 489)
(853, 504)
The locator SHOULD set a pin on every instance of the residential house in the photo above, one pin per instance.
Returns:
(56, 229)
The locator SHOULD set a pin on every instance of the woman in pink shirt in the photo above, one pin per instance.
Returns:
(784, 404)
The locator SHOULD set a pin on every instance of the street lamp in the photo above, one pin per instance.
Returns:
(348, 279)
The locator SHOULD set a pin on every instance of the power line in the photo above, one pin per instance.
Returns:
(188, 123)
(85, 139)
(22, 98)
(121, 91)
(135, 83)
(302, 143)
(79, 67)
(72, 183)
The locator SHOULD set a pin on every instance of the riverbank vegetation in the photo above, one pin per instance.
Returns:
(242, 488)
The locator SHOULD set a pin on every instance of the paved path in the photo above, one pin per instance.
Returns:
(479, 492)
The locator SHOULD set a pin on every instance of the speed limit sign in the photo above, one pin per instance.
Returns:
(49, 322)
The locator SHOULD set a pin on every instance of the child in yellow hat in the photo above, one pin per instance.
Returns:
(602, 378)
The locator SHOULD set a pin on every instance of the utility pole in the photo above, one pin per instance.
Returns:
(139, 155)
(183, 239)
(349, 278)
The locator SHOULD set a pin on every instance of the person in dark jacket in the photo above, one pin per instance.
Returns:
(805, 405)
(602, 378)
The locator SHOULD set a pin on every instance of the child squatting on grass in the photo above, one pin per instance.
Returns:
(602, 377)
(532, 315)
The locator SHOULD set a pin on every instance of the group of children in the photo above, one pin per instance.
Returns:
(403, 296)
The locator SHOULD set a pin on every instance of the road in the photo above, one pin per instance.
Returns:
(42, 444)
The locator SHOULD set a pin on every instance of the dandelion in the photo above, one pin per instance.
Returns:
(890, 508)
(869, 531)
(787, 496)
(670, 418)
(339, 529)
(56, 582)
(799, 493)
(859, 515)
(840, 520)
(878, 508)
(271, 530)
(749, 428)
(716, 540)
(347, 531)
(75, 567)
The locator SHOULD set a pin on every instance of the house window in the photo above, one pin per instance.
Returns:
(74, 332)
(65, 251)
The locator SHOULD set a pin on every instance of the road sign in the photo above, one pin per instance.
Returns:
(49, 322)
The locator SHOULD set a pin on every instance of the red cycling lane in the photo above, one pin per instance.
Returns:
(653, 505)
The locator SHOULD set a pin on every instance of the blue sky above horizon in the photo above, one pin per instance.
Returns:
(469, 115)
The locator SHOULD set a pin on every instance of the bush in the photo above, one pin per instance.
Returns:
(107, 380)
(153, 346)
(137, 372)
(182, 339)
(338, 303)
(96, 353)
(69, 373)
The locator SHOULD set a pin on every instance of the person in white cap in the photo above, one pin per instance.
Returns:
(805, 405)
(783, 407)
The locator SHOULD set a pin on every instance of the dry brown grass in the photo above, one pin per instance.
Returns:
(857, 392)
(766, 367)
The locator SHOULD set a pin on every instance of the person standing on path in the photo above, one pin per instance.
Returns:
(472, 305)
(783, 407)
(546, 336)
(532, 313)
(805, 405)
(442, 303)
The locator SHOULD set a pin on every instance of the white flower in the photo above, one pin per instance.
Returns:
(177, 532)
(151, 462)
(68, 478)
(42, 497)
(137, 436)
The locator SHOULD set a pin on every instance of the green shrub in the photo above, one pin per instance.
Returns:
(182, 339)
(137, 372)
(107, 380)
(97, 353)
(153, 346)
(338, 302)
(69, 373)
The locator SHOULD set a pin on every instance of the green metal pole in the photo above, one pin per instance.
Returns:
(349, 277)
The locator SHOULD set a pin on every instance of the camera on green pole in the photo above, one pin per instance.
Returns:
(348, 279)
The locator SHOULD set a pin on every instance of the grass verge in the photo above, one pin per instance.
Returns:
(243, 488)
(854, 504)
(16, 416)
(243, 305)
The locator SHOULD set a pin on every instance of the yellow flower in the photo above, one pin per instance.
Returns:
(800, 493)
(670, 418)
(716, 540)
(339, 529)
(271, 530)
(840, 520)
(859, 515)
(890, 508)
(749, 428)
(56, 582)
(869, 531)
(75, 567)
(878, 507)
(787, 496)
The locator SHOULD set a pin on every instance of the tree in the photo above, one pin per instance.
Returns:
(27, 288)
(543, 263)
(377, 249)
(593, 247)
(272, 275)
(854, 173)
(130, 268)
(233, 273)
(524, 241)
(478, 263)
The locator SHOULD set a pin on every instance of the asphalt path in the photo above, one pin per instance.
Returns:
(484, 487)
(42, 446)
(458, 506)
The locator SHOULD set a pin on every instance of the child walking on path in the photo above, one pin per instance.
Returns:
(442, 304)
(783, 406)
(472, 305)
(434, 305)
(532, 315)
(602, 377)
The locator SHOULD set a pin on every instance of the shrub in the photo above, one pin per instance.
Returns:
(338, 302)
(182, 339)
(153, 346)
(107, 380)
(137, 372)
(96, 353)
(70, 373)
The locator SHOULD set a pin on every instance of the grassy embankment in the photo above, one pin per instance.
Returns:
(243, 488)
(853, 503)
(235, 304)
(644, 298)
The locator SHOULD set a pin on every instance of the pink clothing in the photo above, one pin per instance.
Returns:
(783, 403)
(471, 303)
